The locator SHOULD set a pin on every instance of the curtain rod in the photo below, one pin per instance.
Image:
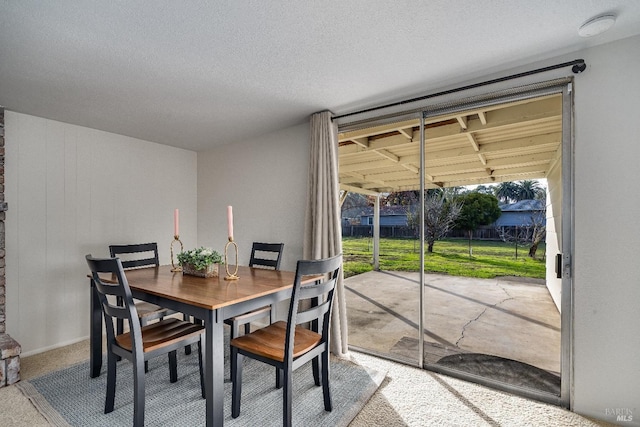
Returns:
(578, 67)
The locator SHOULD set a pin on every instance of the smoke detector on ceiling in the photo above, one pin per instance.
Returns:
(597, 25)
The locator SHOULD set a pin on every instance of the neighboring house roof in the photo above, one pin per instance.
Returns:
(523, 205)
(517, 214)
(522, 213)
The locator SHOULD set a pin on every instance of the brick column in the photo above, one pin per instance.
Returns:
(9, 348)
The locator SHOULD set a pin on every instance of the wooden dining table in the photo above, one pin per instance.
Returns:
(212, 300)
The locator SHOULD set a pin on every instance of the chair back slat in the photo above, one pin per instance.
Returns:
(153, 260)
(319, 295)
(264, 263)
(259, 252)
(109, 288)
(115, 311)
(313, 313)
(313, 292)
(316, 289)
(139, 263)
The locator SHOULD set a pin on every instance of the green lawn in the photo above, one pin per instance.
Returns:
(489, 259)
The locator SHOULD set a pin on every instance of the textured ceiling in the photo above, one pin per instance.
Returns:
(203, 73)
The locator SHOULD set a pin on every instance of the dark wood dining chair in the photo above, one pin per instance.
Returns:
(144, 255)
(289, 345)
(263, 255)
(141, 343)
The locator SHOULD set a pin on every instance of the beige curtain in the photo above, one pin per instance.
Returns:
(323, 235)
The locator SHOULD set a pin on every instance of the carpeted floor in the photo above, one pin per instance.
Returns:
(418, 398)
(407, 397)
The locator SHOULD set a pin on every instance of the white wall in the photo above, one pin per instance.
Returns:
(72, 191)
(265, 180)
(607, 232)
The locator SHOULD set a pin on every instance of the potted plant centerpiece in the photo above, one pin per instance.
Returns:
(202, 262)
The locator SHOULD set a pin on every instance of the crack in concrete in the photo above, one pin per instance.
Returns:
(464, 328)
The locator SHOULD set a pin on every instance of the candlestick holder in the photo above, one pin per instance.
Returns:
(230, 276)
(178, 267)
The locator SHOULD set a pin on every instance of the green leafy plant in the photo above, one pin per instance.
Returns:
(200, 258)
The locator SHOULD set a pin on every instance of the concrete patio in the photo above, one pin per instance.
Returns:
(514, 318)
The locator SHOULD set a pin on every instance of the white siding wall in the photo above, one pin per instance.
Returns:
(72, 191)
(265, 180)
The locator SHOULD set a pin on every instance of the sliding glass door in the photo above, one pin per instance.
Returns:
(380, 169)
(484, 302)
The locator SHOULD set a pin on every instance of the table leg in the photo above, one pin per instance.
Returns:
(95, 333)
(214, 369)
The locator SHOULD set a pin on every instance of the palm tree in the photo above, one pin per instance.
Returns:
(528, 190)
(506, 192)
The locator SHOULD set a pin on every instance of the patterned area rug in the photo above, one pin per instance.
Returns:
(69, 397)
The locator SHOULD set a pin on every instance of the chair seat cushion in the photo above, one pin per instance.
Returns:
(269, 341)
(165, 332)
